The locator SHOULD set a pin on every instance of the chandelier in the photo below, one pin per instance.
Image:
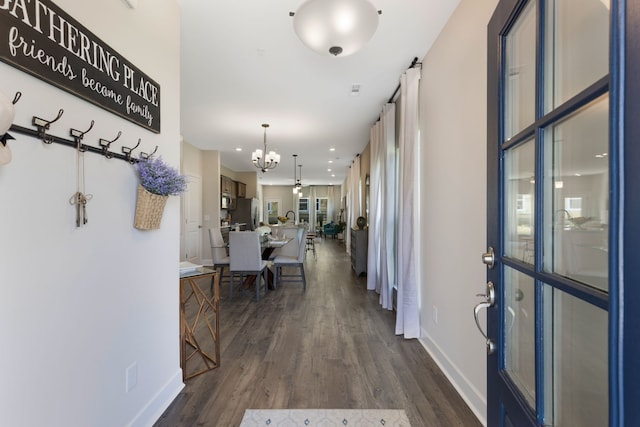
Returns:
(335, 27)
(270, 160)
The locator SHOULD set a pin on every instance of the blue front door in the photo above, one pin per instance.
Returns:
(563, 173)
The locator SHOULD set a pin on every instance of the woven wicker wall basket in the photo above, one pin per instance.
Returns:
(149, 210)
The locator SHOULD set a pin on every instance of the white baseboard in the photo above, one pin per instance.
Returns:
(160, 402)
(476, 400)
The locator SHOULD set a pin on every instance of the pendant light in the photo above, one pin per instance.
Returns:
(295, 185)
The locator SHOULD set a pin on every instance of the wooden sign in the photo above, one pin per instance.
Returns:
(39, 38)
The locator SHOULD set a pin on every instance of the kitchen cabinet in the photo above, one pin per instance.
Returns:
(227, 185)
(242, 190)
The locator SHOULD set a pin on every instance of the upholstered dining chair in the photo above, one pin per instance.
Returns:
(245, 255)
(291, 248)
(218, 252)
(297, 260)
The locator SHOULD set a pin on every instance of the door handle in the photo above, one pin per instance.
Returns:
(489, 301)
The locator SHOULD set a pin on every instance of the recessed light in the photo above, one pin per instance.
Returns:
(330, 161)
(332, 149)
(333, 176)
(578, 174)
(328, 170)
(238, 149)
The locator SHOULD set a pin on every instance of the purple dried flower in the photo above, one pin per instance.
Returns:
(157, 177)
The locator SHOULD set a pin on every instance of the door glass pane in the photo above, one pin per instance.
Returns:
(520, 201)
(575, 334)
(577, 195)
(520, 69)
(576, 47)
(519, 331)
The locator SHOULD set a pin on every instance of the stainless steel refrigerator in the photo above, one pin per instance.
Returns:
(246, 211)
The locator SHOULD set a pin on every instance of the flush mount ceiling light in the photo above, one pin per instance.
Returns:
(335, 27)
(267, 161)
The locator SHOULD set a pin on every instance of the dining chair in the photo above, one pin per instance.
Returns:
(296, 260)
(245, 255)
(218, 252)
(291, 248)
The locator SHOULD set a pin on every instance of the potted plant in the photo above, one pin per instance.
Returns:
(158, 181)
(340, 229)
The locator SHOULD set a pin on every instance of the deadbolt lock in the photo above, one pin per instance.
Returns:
(489, 257)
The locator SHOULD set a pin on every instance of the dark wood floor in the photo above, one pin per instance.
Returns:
(329, 347)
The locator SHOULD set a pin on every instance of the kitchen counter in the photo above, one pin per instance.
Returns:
(234, 225)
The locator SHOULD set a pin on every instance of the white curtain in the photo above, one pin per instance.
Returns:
(331, 206)
(382, 208)
(407, 317)
(312, 207)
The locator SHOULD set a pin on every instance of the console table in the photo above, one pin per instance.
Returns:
(359, 250)
(199, 322)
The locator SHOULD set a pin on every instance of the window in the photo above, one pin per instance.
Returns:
(322, 204)
(303, 209)
(273, 210)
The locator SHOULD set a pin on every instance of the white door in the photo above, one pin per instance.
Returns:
(193, 220)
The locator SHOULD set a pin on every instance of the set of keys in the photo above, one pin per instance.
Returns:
(80, 200)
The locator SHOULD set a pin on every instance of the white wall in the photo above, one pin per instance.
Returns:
(80, 305)
(453, 197)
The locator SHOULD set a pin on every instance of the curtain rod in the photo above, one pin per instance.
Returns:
(413, 64)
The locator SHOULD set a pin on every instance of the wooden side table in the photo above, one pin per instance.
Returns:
(199, 323)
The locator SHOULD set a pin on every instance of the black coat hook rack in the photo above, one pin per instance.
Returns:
(42, 126)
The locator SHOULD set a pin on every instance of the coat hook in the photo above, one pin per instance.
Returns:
(43, 126)
(41, 123)
(17, 97)
(106, 144)
(78, 135)
(145, 156)
(127, 152)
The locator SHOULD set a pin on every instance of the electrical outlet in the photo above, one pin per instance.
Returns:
(131, 376)
(434, 314)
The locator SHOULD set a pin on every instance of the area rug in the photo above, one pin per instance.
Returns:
(325, 418)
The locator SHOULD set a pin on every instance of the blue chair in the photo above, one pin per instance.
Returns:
(330, 229)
